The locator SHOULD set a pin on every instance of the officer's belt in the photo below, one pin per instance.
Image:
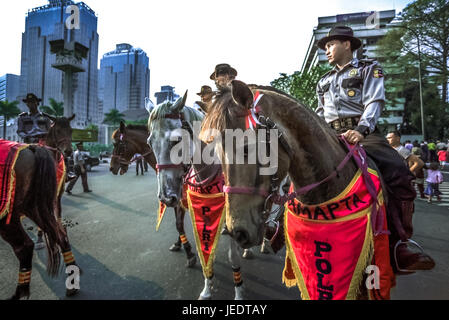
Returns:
(345, 124)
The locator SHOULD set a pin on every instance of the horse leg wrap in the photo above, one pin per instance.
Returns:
(237, 277)
(69, 259)
(24, 277)
(183, 239)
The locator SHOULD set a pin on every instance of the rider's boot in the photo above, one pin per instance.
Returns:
(407, 259)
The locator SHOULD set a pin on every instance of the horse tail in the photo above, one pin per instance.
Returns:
(44, 189)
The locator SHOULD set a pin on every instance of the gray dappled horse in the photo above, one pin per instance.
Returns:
(166, 123)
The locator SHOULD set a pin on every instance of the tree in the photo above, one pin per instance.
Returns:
(113, 117)
(302, 86)
(428, 22)
(8, 110)
(55, 109)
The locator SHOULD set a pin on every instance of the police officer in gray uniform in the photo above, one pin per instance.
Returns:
(351, 98)
(33, 126)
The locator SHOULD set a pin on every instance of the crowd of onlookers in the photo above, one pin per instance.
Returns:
(434, 156)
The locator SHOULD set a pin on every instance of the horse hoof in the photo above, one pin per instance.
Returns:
(71, 292)
(175, 248)
(248, 254)
(191, 262)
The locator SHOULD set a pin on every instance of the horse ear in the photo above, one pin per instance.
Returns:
(242, 94)
(149, 105)
(72, 118)
(181, 103)
(53, 119)
(122, 127)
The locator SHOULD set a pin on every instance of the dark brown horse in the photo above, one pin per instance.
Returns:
(128, 141)
(38, 197)
(310, 153)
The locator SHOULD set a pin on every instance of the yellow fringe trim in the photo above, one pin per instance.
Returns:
(365, 259)
(160, 217)
(208, 270)
(299, 279)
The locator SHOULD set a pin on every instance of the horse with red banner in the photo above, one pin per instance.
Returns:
(33, 178)
(335, 225)
(130, 140)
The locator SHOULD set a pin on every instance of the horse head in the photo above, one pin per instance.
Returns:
(60, 134)
(166, 133)
(124, 150)
(250, 179)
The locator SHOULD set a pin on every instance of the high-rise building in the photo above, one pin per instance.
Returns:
(369, 27)
(9, 91)
(167, 93)
(9, 87)
(124, 79)
(53, 22)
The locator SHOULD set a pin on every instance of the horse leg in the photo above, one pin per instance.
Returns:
(191, 257)
(23, 248)
(66, 250)
(177, 245)
(206, 294)
(234, 259)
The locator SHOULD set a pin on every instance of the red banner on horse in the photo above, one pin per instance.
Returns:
(9, 152)
(330, 245)
(206, 207)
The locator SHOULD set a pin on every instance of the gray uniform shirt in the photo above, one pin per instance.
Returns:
(357, 90)
(78, 158)
(403, 151)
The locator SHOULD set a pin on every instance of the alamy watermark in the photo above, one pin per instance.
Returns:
(73, 21)
(240, 147)
(73, 279)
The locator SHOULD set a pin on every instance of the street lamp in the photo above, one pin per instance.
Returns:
(420, 77)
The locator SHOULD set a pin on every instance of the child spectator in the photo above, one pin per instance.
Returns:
(442, 157)
(434, 178)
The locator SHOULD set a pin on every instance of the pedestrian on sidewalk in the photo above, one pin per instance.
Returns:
(80, 170)
(139, 163)
(434, 179)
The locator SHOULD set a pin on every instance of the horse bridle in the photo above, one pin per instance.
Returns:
(184, 125)
(271, 195)
(122, 149)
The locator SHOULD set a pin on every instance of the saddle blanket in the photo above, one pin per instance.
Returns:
(9, 152)
(331, 246)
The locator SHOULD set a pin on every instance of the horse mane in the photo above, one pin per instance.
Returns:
(137, 127)
(161, 111)
(224, 109)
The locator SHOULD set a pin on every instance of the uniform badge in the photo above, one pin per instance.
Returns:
(351, 93)
(353, 72)
(378, 73)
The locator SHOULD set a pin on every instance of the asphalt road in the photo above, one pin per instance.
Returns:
(113, 235)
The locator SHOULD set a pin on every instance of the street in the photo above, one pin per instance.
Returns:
(112, 232)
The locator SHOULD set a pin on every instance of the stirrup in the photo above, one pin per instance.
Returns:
(395, 255)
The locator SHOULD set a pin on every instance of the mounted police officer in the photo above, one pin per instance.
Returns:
(351, 98)
(223, 75)
(206, 96)
(33, 126)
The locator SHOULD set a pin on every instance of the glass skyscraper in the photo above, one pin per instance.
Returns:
(48, 23)
(124, 80)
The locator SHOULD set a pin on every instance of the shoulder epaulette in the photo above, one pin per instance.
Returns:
(367, 61)
(23, 114)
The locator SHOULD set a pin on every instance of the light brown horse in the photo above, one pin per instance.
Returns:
(38, 197)
(312, 153)
(128, 141)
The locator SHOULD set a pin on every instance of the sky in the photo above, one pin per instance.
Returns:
(186, 39)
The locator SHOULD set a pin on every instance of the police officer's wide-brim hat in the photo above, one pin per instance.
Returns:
(205, 90)
(340, 33)
(31, 97)
(222, 69)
